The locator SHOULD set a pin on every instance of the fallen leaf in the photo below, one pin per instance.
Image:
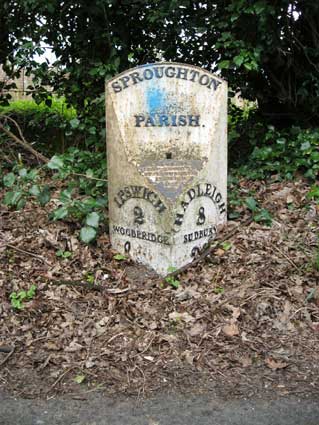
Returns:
(188, 356)
(231, 329)
(50, 345)
(219, 252)
(185, 317)
(315, 326)
(197, 329)
(73, 346)
(149, 358)
(246, 361)
(79, 379)
(89, 363)
(275, 364)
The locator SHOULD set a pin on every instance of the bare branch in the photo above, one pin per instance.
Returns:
(21, 141)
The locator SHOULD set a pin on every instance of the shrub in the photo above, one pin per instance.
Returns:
(260, 150)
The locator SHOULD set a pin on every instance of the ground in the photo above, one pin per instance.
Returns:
(244, 321)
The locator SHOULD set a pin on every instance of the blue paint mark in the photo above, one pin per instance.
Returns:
(156, 101)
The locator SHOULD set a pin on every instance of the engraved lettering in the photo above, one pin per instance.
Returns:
(116, 87)
(125, 81)
(170, 71)
(135, 76)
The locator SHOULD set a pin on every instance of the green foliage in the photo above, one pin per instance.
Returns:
(226, 246)
(314, 193)
(84, 200)
(287, 152)
(274, 59)
(238, 202)
(28, 107)
(88, 234)
(63, 254)
(259, 214)
(316, 260)
(86, 210)
(89, 277)
(17, 299)
(21, 184)
(119, 257)
(175, 283)
(219, 290)
(267, 150)
(89, 169)
(48, 128)
(79, 379)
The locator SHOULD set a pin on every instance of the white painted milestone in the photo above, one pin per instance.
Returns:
(167, 162)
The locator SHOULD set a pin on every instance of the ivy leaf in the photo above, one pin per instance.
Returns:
(9, 179)
(32, 175)
(34, 190)
(239, 60)
(264, 216)
(74, 123)
(224, 64)
(21, 203)
(87, 234)
(259, 8)
(23, 172)
(60, 213)
(55, 163)
(12, 198)
(44, 196)
(92, 220)
(66, 196)
(119, 257)
(305, 146)
(251, 204)
(314, 192)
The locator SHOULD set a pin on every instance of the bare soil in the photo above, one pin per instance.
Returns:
(243, 322)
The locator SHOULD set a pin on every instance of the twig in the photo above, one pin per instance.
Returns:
(286, 256)
(118, 291)
(113, 337)
(88, 177)
(77, 283)
(145, 349)
(61, 376)
(21, 141)
(210, 249)
(7, 357)
(91, 286)
(39, 257)
(6, 349)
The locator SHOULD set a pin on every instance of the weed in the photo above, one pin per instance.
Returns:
(63, 254)
(260, 215)
(226, 246)
(314, 193)
(315, 261)
(79, 379)
(89, 277)
(119, 257)
(17, 299)
(21, 184)
(175, 283)
(219, 290)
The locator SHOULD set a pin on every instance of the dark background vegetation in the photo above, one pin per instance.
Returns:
(266, 50)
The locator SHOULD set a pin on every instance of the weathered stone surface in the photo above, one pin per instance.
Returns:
(167, 162)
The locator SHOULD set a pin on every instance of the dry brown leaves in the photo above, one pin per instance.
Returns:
(239, 321)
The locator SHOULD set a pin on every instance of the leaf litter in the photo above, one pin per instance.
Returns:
(243, 321)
